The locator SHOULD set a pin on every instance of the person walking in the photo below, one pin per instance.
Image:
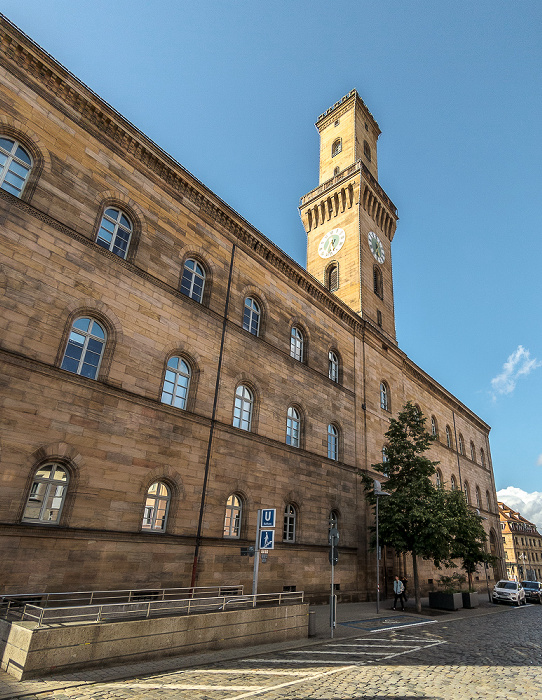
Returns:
(398, 591)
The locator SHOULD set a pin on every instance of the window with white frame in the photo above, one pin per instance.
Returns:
(15, 166)
(176, 383)
(439, 479)
(336, 147)
(156, 507)
(297, 342)
(448, 436)
(332, 442)
(115, 232)
(232, 517)
(478, 498)
(193, 280)
(47, 495)
(384, 396)
(293, 427)
(482, 458)
(434, 426)
(242, 409)
(466, 489)
(453, 483)
(289, 523)
(251, 316)
(333, 366)
(472, 451)
(85, 348)
(461, 445)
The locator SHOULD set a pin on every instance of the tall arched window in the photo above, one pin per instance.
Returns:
(466, 489)
(472, 451)
(336, 148)
(334, 518)
(448, 436)
(115, 232)
(439, 479)
(85, 348)
(242, 410)
(384, 396)
(488, 501)
(478, 498)
(453, 483)
(434, 426)
(232, 517)
(332, 442)
(47, 495)
(378, 286)
(482, 458)
(15, 166)
(289, 526)
(385, 457)
(176, 383)
(461, 445)
(193, 280)
(333, 366)
(297, 343)
(332, 277)
(156, 507)
(251, 316)
(367, 151)
(293, 427)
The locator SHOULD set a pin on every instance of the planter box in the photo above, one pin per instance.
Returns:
(470, 600)
(445, 601)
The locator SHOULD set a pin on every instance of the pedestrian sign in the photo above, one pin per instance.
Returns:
(268, 517)
(267, 539)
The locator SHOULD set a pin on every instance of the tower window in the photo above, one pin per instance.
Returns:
(379, 318)
(336, 148)
(332, 277)
(367, 151)
(378, 285)
(336, 171)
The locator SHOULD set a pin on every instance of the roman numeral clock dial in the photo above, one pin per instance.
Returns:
(377, 249)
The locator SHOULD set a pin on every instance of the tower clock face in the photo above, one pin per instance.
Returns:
(331, 243)
(377, 249)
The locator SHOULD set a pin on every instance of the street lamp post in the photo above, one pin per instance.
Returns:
(378, 492)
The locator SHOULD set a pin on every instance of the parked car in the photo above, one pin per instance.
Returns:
(533, 590)
(509, 592)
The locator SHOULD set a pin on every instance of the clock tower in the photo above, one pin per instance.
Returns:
(349, 219)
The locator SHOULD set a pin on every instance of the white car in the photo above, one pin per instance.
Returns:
(509, 592)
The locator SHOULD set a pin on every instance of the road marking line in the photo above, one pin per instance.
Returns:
(400, 653)
(371, 646)
(347, 653)
(398, 627)
(255, 672)
(182, 686)
(289, 683)
(291, 661)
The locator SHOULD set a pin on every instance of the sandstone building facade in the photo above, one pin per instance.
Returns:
(167, 370)
(522, 546)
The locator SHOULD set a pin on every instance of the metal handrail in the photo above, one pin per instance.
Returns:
(145, 609)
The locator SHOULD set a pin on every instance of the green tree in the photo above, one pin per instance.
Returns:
(469, 536)
(414, 517)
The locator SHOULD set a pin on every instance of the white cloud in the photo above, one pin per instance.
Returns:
(528, 504)
(519, 364)
(539, 460)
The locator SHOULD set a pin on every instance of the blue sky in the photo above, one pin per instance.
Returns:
(232, 89)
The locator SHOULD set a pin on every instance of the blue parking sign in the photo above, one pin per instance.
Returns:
(267, 539)
(268, 517)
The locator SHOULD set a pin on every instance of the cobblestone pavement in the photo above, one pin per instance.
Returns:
(455, 658)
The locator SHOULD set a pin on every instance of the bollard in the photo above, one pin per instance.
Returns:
(312, 623)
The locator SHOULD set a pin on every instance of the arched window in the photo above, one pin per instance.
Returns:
(156, 507)
(193, 280)
(47, 494)
(232, 518)
(85, 348)
(434, 426)
(242, 410)
(488, 501)
(115, 232)
(296, 344)
(379, 318)
(334, 518)
(367, 151)
(448, 436)
(336, 148)
(384, 396)
(332, 277)
(482, 458)
(336, 171)
(439, 479)
(332, 442)
(15, 166)
(293, 427)
(385, 457)
(333, 366)
(453, 483)
(467, 491)
(378, 286)
(176, 382)
(290, 516)
(478, 498)
(251, 316)
(461, 445)
(472, 451)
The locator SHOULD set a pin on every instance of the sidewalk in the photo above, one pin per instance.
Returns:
(357, 615)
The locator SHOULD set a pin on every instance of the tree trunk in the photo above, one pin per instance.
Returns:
(416, 583)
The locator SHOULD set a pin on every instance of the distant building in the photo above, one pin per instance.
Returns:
(522, 546)
(167, 370)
